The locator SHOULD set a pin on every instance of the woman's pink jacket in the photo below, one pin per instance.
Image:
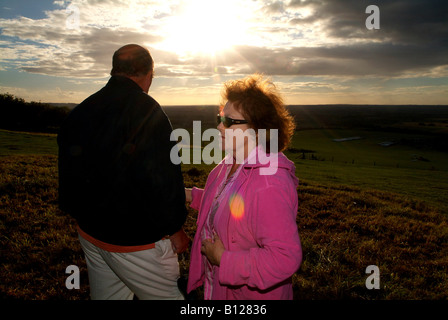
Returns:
(257, 225)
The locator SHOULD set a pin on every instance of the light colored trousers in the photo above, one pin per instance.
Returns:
(149, 274)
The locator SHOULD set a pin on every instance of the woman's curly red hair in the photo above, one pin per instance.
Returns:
(259, 101)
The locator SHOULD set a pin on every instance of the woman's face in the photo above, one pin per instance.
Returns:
(232, 139)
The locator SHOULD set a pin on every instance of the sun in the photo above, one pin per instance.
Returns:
(206, 27)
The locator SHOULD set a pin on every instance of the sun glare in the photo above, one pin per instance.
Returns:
(236, 204)
(206, 26)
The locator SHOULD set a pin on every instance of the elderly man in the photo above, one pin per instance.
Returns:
(117, 180)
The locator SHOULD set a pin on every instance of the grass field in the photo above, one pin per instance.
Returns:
(360, 204)
(12, 143)
(412, 172)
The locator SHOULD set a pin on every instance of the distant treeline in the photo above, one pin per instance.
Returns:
(371, 117)
(17, 114)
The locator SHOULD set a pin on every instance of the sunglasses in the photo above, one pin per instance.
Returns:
(227, 122)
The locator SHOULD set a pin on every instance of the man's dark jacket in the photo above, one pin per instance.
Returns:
(116, 177)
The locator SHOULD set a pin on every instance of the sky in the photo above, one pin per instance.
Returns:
(315, 51)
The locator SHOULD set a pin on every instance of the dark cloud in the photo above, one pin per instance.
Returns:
(413, 36)
(356, 60)
(402, 21)
(92, 56)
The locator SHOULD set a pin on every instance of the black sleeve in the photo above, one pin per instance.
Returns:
(165, 197)
(71, 171)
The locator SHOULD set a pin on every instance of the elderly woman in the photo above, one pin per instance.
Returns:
(247, 245)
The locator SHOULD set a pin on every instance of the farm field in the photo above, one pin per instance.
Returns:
(12, 143)
(360, 203)
(365, 163)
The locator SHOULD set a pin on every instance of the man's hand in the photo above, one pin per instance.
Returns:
(179, 241)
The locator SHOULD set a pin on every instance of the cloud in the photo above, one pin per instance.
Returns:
(290, 39)
(402, 21)
(356, 60)
(342, 46)
(329, 37)
(46, 46)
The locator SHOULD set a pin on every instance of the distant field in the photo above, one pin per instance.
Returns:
(413, 172)
(370, 148)
(12, 143)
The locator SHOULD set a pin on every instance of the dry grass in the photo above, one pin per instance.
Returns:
(343, 230)
(37, 241)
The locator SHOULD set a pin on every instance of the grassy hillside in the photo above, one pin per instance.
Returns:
(379, 199)
(352, 213)
(343, 230)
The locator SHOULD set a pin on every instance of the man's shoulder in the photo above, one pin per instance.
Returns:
(142, 103)
(111, 96)
(146, 99)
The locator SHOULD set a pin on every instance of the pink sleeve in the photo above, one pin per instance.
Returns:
(196, 198)
(279, 251)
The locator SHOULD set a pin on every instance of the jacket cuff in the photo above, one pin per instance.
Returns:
(196, 198)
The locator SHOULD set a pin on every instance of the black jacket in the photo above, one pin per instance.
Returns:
(116, 177)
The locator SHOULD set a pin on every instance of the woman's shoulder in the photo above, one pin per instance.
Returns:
(276, 169)
(264, 184)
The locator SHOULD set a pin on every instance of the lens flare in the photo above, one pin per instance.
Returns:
(236, 204)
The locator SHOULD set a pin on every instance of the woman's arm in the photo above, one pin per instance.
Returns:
(188, 194)
(195, 197)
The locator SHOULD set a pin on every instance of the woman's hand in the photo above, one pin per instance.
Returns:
(213, 250)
